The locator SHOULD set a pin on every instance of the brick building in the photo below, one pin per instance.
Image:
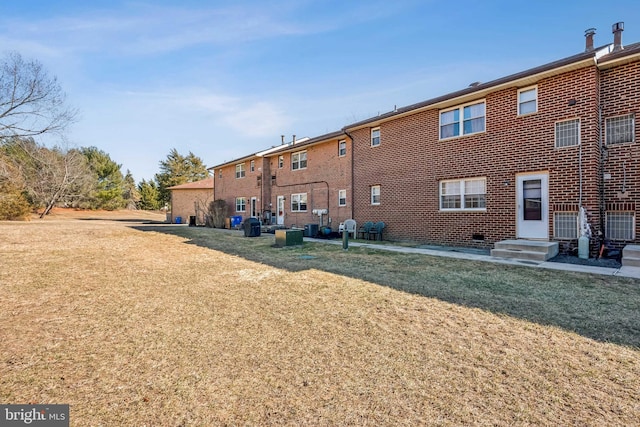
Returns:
(516, 157)
(191, 199)
(512, 158)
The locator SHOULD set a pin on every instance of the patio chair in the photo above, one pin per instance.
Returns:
(376, 230)
(365, 229)
(350, 227)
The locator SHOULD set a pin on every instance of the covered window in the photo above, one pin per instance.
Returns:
(299, 160)
(375, 137)
(620, 129)
(567, 133)
(342, 197)
(565, 225)
(527, 100)
(463, 194)
(462, 120)
(342, 148)
(375, 194)
(299, 202)
(241, 204)
(240, 170)
(620, 226)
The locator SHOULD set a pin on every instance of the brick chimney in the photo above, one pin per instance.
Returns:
(589, 33)
(617, 30)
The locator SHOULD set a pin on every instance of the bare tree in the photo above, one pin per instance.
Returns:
(50, 176)
(31, 102)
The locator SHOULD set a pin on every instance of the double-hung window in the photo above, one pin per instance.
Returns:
(252, 165)
(463, 120)
(241, 204)
(463, 194)
(619, 130)
(567, 133)
(375, 194)
(342, 148)
(299, 160)
(240, 170)
(527, 101)
(299, 202)
(280, 162)
(375, 137)
(342, 197)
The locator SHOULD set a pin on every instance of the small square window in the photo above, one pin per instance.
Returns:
(375, 137)
(620, 129)
(565, 225)
(620, 226)
(527, 101)
(568, 133)
(375, 194)
(299, 160)
(342, 148)
(299, 202)
(342, 198)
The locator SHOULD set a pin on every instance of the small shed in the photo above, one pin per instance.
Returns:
(191, 199)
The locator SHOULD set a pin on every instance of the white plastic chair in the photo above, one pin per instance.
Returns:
(350, 227)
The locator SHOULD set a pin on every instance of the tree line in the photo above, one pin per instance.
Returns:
(34, 177)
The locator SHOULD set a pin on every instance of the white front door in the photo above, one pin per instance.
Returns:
(280, 213)
(532, 192)
(254, 207)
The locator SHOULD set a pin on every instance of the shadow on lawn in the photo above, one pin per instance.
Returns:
(604, 308)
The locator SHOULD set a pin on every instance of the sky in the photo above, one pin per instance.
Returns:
(225, 79)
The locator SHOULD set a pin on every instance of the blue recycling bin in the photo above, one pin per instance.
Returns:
(236, 221)
(178, 220)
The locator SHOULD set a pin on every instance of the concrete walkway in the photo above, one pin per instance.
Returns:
(633, 272)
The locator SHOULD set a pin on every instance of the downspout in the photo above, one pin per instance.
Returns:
(353, 188)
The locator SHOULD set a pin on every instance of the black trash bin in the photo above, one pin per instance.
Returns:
(251, 227)
(192, 221)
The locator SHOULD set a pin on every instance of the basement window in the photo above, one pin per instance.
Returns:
(620, 226)
(565, 225)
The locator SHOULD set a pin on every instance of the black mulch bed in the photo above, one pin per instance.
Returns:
(601, 262)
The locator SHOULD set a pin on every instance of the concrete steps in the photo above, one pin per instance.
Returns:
(530, 250)
(631, 256)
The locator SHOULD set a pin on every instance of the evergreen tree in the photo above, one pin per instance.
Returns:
(130, 194)
(178, 169)
(109, 182)
(149, 195)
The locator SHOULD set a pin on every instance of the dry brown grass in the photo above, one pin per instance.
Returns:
(135, 328)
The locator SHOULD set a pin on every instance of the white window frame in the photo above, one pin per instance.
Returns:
(342, 148)
(529, 101)
(297, 161)
(459, 188)
(241, 204)
(460, 109)
(342, 197)
(252, 165)
(608, 131)
(558, 133)
(616, 234)
(280, 162)
(565, 225)
(240, 171)
(375, 136)
(298, 201)
(375, 195)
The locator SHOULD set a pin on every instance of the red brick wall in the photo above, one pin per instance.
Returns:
(228, 187)
(410, 162)
(620, 96)
(325, 174)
